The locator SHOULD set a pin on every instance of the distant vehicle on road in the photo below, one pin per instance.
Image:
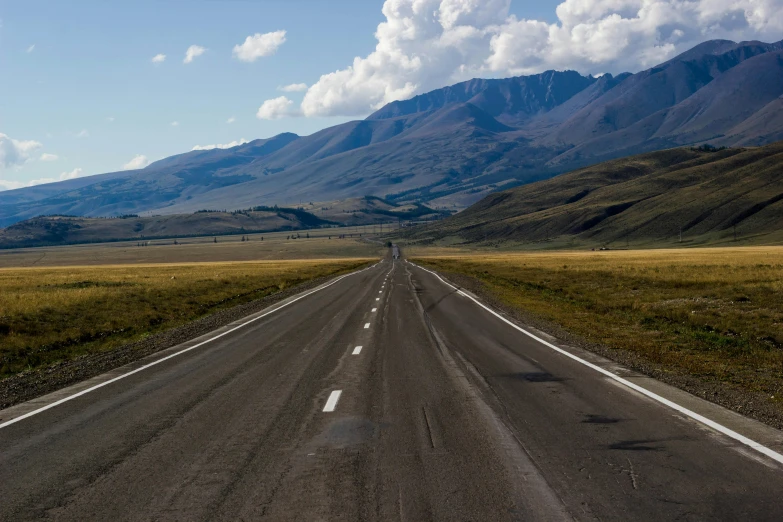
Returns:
(395, 252)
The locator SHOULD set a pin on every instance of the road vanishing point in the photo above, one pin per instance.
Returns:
(385, 394)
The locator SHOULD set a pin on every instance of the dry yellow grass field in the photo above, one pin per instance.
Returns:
(277, 245)
(716, 313)
(49, 314)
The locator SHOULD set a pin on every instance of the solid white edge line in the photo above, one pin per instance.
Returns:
(357, 350)
(331, 403)
(158, 361)
(673, 405)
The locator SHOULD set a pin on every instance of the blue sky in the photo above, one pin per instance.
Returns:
(91, 62)
(80, 94)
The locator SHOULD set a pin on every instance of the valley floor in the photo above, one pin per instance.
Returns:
(321, 244)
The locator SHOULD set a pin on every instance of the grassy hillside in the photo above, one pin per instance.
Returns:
(57, 230)
(371, 210)
(676, 196)
(63, 230)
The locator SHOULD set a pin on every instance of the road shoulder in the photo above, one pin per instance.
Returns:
(660, 382)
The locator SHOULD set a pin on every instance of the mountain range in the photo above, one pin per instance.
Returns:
(452, 146)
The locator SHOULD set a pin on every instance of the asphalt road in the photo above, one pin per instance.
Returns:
(387, 395)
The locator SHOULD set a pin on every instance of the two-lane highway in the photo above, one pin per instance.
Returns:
(384, 395)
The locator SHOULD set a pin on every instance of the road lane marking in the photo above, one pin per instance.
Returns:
(171, 356)
(774, 455)
(374, 309)
(380, 291)
(331, 403)
(377, 298)
(357, 350)
(366, 325)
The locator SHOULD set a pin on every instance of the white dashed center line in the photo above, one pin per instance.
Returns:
(377, 298)
(374, 309)
(357, 350)
(331, 403)
(366, 325)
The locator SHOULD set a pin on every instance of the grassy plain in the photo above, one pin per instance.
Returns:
(58, 303)
(715, 313)
(53, 314)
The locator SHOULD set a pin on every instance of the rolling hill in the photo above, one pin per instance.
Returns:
(682, 196)
(453, 146)
(69, 230)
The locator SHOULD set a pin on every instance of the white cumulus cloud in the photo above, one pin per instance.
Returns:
(259, 45)
(138, 162)
(48, 157)
(231, 120)
(426, 44)
(193, 52)
(31, 48)
(82, 133)
(14, 153)
(294, 87)
(276, 108)
(159, 58)
(174, 124)
(229, 145)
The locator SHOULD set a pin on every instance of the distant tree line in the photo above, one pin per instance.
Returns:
(708, 148)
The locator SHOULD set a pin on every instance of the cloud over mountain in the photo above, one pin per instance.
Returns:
(73, 174)
(138, 162)
(423, 44)
(229, 145)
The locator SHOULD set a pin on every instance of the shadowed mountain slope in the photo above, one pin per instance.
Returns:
(647, 199)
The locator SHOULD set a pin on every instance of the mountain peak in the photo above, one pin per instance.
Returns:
(719, 47)
(525, 95)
